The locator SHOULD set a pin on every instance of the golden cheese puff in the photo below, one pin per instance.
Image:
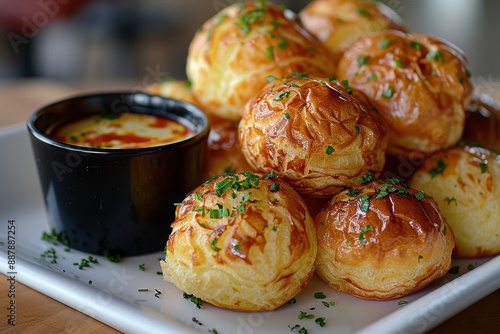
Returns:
(233, 52)
(465, 182)
(339, 23)
(418, 83)
(175, 89)
(482, 123)
(223, 148)
(382, 240)
(224, 151)
(243, 242)
(316, 134)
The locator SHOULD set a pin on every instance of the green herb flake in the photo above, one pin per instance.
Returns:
(51, 254)
(402, 302)
(357, 129)
(213, 245)
(420, 257)
(363, 60)
(287, 115)
(438, 170)
(195, 300)
(385, 42)
(270, 52)
(363, 12)
(365, 203)
(305, 315)
(301, 75)
(420, 195)
(388, 92)
(435, 55)
(353, 192)
(271, 78)
(454, 270)
(399, 63)
(112, 256)
(274, 187)
(362, 234)
(470, 267)
(280, 95)
(468, 73)
(450, 200)
(142, 267)
(483, 165)
(320, 321)
(196, 321)
(367, 177)
(143, 289)
(348, 89)
(292, 301)
(282, 43)
(417, 45)
(319, 295)
(329, 150)
(373, 77)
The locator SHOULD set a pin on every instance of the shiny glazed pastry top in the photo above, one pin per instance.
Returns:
(382, 240)
(316, 134)
(419, 84)
(233, 52)
(339, 23)
(465, 182)
(242, 241)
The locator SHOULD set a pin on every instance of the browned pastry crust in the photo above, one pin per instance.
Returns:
(313, 134)
(339, 23)
(382, 241)
(419, 84)
(465, 182)
(223, 148)
(232, 54)
(243, 242)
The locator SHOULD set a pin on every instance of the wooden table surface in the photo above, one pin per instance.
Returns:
(37, 313)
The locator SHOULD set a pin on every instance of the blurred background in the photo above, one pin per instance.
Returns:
(88, 41)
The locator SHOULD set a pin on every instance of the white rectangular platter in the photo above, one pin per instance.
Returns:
(111, 292)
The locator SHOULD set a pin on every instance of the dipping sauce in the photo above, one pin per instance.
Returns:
(121, 131)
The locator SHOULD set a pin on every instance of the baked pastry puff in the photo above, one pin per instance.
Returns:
(223, 147)
(233, 52)
(465, 182)
(382, 240)
(339, 23)
(419, 84)
(317, 134)
(243, 242)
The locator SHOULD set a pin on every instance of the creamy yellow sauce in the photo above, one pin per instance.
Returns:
(121, 131)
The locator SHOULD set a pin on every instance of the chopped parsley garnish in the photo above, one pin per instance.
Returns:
(449, 200)
(482, 165)
(320, 321)
(298, 329)
(213, 245)
(218, 213)
(85, 262)
(55, 237)
(143, 289)
(367, 177)
(470, 267)
(362, 12)
(373, 77)
(328, 304)
(435, 55)
(292, 301)
(305, 315)
(271, 78)
(142, 267)
(329, 150)
(365, 203)
(417, 45)
(363, 60)
(280, 95)
(300, 74)
(439, 169)
(362, 234)
(282, 43)
(50, 254)
(287, 115)
(274, 187)
(385, 42)
(402, 302)
(270, 52)
(420, 195)
(113, 257)
(319, 295)
(196, 321)
(250, 17)
(348, 89)
(353, 192)
(388, 92)
(195, 300)
(399, 63)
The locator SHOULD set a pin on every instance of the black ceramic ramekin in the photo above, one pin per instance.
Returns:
(116, 201)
